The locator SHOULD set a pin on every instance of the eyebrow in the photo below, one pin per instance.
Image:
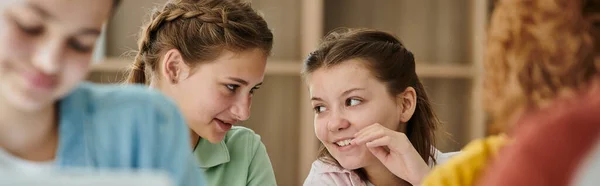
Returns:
(40, 11)
(46, 15)
(316, 99)
(351, 90)
(243, 82)
(89, 31)
(343, 94)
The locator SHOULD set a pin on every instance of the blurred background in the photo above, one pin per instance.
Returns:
(446, 37)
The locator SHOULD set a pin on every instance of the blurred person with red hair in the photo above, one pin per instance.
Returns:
(541, 89)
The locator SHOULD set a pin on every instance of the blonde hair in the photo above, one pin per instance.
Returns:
(538, 50)
(200, 30)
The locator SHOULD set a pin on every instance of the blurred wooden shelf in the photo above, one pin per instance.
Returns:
(111, 65)
(433, 70)
(293, 68)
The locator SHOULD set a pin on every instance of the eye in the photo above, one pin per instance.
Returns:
(29, 30)
(253, 90)
(353, 102)
(77, 46)
(319, 109)
(232, 87)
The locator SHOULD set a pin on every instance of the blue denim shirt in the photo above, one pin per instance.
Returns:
(125, 127)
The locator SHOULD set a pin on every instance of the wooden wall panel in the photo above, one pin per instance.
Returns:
(125, 25)
(283, 17)
(275, 117)
(435, 30)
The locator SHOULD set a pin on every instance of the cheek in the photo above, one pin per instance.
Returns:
(362, 119)
(216, 101)
(201, 103)
(320, 129)
(13, 47)
(74, 71)
(365, 117)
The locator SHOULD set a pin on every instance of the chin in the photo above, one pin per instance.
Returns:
(216, 137)
(24, 102)
(350, 163)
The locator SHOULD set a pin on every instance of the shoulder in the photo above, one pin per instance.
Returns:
(242, 141)
(238, 134)
(319, 167)
(463, 168)
(132, 108)
(563, 132)
(576, 114)
(115, 96)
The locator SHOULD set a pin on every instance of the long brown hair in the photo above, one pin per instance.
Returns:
(536, 51)
(392, 64)
(200, 30)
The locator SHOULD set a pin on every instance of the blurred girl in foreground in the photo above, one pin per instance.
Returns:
(50, 120)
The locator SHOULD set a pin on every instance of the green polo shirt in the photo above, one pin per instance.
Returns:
(240, 159)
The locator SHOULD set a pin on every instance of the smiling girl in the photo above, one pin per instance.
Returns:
(372, 114)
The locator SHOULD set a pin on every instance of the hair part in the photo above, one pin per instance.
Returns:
(392, 64)
(200, 30)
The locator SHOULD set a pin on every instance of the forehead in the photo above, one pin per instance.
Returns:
(348, 74)
(67, 13)
(249, 65)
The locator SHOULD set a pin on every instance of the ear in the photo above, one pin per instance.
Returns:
(407, 103)
(173, 68)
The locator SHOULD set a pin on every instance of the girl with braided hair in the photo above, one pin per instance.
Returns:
(50, 120)
(210, 57)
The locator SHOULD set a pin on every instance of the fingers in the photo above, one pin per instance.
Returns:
(369, 128)
(382, 141)
(379, 152)
(370, 133)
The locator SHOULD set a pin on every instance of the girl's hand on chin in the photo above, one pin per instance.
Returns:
(395, 151)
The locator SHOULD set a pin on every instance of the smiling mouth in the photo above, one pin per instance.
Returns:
(223, 126)
(343, 143)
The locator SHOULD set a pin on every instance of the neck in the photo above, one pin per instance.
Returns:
(30, 135)
(378, 174)
(194, 138)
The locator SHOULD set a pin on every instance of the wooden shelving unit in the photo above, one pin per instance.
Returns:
(293, 68)
(446, 37)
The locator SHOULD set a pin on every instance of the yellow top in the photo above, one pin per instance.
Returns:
(464, 168)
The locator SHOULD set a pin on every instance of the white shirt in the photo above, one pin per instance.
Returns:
(323, 173)
(11, 163)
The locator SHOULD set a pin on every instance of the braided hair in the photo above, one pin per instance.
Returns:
(200, 30)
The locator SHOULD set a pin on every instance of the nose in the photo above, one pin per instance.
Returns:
(47, 57)
(241, 108)
(337, 122)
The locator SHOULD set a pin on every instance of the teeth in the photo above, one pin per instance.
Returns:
(344, 142)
